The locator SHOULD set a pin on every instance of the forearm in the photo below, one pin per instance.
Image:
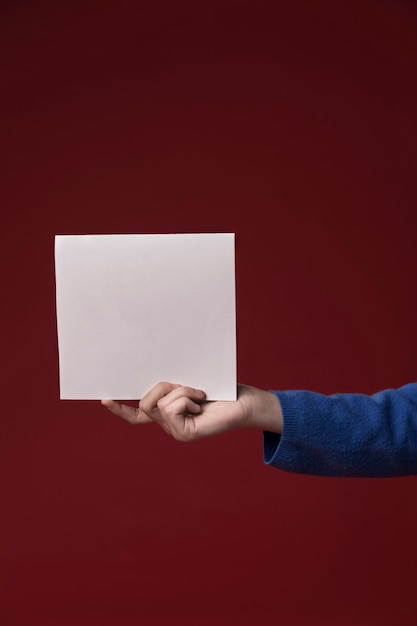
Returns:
(346, 434)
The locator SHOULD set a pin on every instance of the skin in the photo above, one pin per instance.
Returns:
(184, 413)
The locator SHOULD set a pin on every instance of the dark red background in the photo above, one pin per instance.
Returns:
(292, 124)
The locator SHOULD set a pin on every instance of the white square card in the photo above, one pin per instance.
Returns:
(133, 310)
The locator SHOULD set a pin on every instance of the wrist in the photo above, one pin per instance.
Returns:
(263, 410)
(271, 415)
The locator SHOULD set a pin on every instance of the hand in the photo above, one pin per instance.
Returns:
(183, 412)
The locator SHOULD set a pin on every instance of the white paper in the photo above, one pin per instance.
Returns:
(133, 310)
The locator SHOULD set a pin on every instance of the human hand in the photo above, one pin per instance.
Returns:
(183, 412)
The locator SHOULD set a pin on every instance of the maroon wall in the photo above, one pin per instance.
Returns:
(292, 124)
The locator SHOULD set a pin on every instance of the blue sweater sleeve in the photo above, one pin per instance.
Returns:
(346, 434)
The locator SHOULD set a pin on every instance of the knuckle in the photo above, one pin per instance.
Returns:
(163, 387)
(161, 405)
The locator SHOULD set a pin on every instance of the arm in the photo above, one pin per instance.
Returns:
(304, 432)
(346, 434)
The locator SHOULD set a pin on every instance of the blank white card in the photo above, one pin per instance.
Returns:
(133, 310)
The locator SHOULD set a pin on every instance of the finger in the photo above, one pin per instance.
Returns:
(150, 400)
(196, 395)
(128, 413)
(182, 406)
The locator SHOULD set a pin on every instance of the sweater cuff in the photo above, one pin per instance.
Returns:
(275, 446)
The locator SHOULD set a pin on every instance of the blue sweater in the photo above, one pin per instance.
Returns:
(346, 434)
